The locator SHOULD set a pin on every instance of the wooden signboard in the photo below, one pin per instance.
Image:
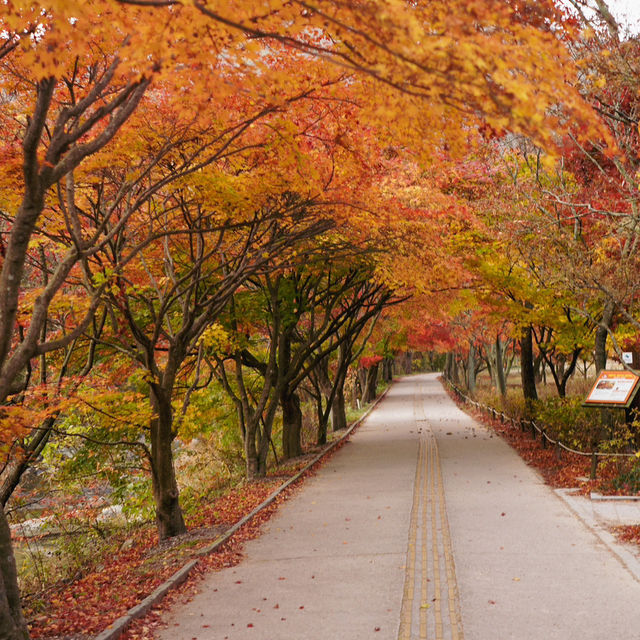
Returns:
(613, 389)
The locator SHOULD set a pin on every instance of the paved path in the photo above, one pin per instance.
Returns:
(423, 526)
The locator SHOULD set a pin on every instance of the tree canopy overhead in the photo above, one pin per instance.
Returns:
(440, 67)
(275, 173)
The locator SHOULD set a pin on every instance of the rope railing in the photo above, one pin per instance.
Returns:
(545, 438)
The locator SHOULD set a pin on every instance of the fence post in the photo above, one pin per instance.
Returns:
(544, 438)
(558, 450)
(594, 465)
(533, 429)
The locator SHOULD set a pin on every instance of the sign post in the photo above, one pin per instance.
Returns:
(613, 389)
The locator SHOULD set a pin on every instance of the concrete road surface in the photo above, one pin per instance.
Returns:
(423, 526)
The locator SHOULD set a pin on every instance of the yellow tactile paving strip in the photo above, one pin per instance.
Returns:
(430, 606)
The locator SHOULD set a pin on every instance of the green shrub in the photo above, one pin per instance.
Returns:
(565, 419)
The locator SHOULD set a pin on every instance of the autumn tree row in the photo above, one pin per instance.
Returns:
(550, 262)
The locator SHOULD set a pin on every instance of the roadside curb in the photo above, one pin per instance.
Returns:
(628, 560)
(599, 497)
(113, 631)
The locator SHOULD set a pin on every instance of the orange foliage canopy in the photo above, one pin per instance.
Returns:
(431, 69)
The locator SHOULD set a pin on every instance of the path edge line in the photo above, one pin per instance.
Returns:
(114, 630)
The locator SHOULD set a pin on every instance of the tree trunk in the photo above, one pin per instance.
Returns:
(264, 440)
(448, 366)
(471, 370)
(499, 367)
(169, 518)
(256, 443)
(527, 371)
(250, 448)
(371, 383)
(600, 349)
(600, 346)
(455, 373)
(323, 388)
(562, 374)
(12, 622)
(403, 361)
(321, 437)
(338, 410)
(387, 369)
(291, 424)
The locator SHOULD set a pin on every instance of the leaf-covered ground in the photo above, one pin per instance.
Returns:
(88, 605)
(628, 534)
(84, 607)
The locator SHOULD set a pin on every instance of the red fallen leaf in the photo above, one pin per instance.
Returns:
(377, 629)
(492, 601)
(206, 626)
(302, 607)
(277, 606)
(250, 625)
(281, 578)
(238, 581)
(503, 514)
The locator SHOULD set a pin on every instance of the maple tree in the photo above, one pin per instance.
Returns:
(51, 123)
(329, 376)
(603, 198)
(168, 333)
(221, 222)
(98, 94)
(302, 315)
